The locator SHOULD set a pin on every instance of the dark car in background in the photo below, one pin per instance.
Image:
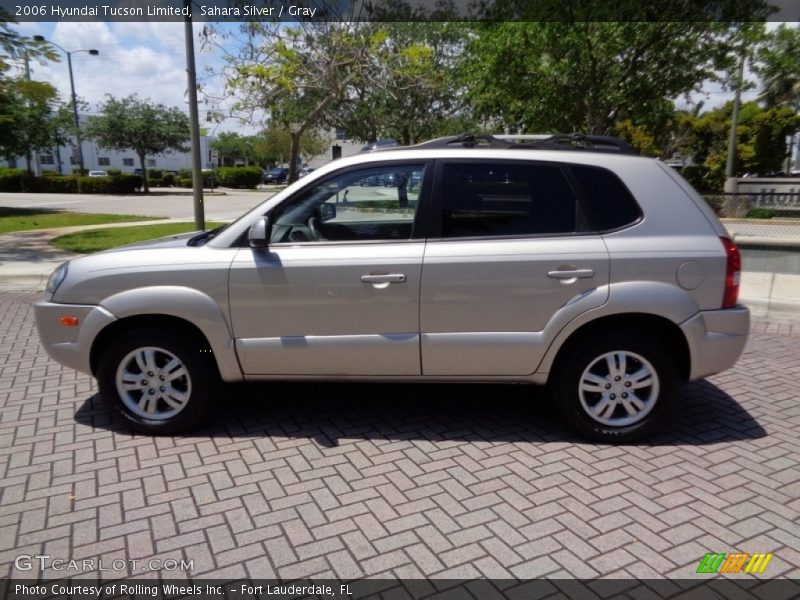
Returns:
(276, 175)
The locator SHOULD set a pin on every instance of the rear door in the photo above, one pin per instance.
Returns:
(509, 248)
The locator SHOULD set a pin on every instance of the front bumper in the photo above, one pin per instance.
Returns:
(716, 339)
(70, 346)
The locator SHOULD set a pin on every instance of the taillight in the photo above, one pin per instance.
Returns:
(733, 273)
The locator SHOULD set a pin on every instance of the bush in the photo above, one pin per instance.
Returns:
(760, 213)
(717, 204)
(702, 178)
(168, 180)
(11, 179)
(185, 182)
(114, 172)
(52, 185)
(154, 174)
(210, 179)
(51, 173)
(239, 177)
(184, 173)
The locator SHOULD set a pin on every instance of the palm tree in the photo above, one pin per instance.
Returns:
(778, 68)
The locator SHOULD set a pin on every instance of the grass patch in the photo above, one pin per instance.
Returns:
(24, 219)
(95, 240)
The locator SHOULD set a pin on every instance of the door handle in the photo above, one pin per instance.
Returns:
(386, 278)
(571, 274)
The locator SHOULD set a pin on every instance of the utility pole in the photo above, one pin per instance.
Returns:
(191, 77)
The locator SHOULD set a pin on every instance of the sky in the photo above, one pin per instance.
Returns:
(148, 58)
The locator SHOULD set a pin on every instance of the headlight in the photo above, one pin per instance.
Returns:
(56, 279)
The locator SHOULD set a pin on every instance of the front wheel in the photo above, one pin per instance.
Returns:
(157, 382)
(616, 387)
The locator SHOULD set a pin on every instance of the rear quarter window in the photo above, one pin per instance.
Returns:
(611, 204)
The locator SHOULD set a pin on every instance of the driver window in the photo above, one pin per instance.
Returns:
(376, 203)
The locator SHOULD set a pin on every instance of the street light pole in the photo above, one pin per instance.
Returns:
(69, 54)
(730, 181)
(191, 82)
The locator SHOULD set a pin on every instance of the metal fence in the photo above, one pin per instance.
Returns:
(760, 215)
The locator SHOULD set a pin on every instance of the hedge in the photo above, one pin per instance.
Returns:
(239, 177)
(15, 180)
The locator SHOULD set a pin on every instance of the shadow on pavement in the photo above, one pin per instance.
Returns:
(330, 412)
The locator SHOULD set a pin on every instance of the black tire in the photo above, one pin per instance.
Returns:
(614, 422)
(192, 391)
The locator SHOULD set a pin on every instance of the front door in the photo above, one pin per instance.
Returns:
(337, 291)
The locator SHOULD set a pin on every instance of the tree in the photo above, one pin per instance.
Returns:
(131, 123)
(412, 93)
(28, 124)
(587, 76)
(293, 74)
(778, 68)
(760, 141)
(233, 147)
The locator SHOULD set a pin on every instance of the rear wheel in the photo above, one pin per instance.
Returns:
(616, 387)
(157, 382)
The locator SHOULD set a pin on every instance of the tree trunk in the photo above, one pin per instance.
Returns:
(294, 153)
(144, 173)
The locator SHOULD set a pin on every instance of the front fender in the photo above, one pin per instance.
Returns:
(185, 303)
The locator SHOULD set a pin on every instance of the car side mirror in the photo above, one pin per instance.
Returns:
(258, 236)
(327, 211)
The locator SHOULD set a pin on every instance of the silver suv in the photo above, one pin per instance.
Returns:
(574, 264)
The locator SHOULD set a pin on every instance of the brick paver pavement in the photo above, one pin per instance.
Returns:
(340, 480)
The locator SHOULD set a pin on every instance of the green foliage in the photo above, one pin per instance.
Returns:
(587, 76)
(27, 123)
(760, 213)
(131, 123)
(239, 177)
(232, 147)
(114, 172)
(95, 240)
(703, 178)
(185, 182)
(168, 180)
(184, 173)
(760, 142)
(155, 173)
(11, 180)
(15, 180)
(24, 219)
(778, 67)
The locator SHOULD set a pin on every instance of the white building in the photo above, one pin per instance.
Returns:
(64, 159)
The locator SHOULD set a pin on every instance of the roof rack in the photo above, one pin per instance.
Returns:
(559, 141)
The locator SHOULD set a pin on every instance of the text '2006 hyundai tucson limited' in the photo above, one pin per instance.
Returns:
(569, 262)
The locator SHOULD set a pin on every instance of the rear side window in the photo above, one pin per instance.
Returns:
(611, 204)
(505, 199)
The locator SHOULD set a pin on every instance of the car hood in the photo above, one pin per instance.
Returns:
(170, 241)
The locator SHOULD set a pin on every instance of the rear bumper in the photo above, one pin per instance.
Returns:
(716, 339)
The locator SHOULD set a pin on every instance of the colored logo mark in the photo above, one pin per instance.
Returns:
(734, 563)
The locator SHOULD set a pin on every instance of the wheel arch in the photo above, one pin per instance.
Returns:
(657, 326)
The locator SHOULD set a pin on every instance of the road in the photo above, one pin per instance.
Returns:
(161, 204)
(400, 481)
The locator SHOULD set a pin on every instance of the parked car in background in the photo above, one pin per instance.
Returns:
(98, 174)
(276, 175)
(567, 262)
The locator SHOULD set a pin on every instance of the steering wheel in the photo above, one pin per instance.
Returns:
(312, 227)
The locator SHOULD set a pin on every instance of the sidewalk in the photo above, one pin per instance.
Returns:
(27, 259)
